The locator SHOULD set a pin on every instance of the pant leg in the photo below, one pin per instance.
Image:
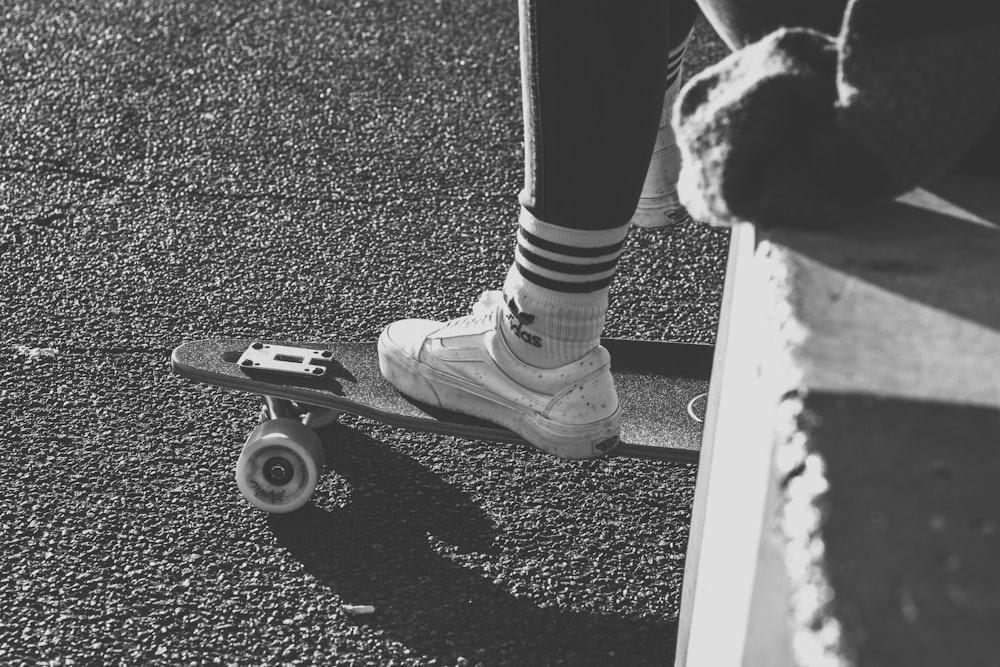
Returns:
(592, 75)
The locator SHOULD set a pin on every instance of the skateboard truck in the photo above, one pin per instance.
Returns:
(286, 360)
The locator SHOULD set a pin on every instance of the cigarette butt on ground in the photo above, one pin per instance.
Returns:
(358, 609)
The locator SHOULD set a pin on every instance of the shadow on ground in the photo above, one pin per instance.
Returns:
(388, 546)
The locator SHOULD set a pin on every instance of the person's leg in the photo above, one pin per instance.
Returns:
(592, 74)
(530, 358)
(592, 85)
(659, 204)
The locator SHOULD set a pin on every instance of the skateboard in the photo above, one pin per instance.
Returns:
(662, 388)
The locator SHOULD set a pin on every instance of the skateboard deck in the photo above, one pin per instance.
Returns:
(662, 388)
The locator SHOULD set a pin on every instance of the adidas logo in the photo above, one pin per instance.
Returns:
(523, 318)
(516, 320)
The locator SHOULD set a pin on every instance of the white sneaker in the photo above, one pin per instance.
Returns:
(659, 204)
(465, 365)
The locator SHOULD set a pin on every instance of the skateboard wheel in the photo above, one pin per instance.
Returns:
(279, 466)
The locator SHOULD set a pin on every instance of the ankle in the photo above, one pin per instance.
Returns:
(556, 292)
(538, 351)
(547, 329)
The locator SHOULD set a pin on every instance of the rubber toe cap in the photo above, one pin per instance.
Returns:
(406, 337)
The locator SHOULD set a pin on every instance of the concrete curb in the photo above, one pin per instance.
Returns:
(846, 511)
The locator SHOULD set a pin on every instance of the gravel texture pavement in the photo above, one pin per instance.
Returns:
(174, 170)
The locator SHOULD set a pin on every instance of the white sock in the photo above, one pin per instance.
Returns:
(557, 291)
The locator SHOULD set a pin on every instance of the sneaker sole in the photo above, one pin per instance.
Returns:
(658, 213)
(566, 441)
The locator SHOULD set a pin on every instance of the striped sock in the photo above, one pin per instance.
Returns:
(557, 290)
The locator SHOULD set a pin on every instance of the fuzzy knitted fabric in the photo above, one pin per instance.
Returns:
(792, 128)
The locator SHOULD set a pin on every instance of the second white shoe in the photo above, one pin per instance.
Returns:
(659, 204)
(466, 366)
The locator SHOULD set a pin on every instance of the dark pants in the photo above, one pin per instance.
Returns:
(593, 74)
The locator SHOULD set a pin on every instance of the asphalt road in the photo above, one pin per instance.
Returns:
(174, 170)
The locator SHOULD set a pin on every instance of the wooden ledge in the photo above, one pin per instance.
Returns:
(848, 500)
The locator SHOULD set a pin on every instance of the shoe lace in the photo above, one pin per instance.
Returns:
(469, 320)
